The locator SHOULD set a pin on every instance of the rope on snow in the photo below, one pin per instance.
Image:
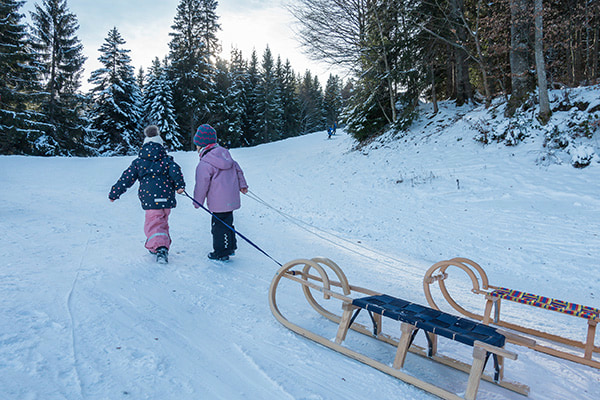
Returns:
(307, 227)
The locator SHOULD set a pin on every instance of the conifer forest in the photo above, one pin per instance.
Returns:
(398, 54)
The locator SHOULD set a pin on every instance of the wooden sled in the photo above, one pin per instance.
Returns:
(493, 298)
(486, 341)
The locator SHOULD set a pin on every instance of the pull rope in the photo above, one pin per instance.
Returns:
(231, 228)
(303, 225)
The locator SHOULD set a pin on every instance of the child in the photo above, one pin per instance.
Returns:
(159, 177)
(219, 180)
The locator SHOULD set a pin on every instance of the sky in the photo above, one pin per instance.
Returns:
(145, 26)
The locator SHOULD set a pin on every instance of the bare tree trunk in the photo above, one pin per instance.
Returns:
(464, 91)
(480, 58)
(433, 90)
(450, 73)
(577, 58)
(519, 55)
(544, 115)
(595, 53)
(388, 72)
(588, 46)
(463, 84)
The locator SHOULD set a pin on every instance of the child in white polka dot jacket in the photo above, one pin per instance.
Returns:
(160, 177)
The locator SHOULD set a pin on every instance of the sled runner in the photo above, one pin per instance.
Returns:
(487, 342)
(493, 297)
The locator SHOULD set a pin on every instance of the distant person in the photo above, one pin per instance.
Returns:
(329, 132)
(160, 177)
(334, 127)
(219, 181)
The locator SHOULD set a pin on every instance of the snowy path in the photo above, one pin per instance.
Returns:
(87, 314)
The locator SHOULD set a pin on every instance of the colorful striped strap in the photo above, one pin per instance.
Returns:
(548, 303)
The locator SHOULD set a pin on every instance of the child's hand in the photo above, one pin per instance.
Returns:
(244, 190)
(180, 191)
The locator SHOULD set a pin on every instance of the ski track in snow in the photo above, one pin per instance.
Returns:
(86, 313)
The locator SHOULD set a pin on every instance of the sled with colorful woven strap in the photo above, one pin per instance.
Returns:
(568, 349)
(313, 276)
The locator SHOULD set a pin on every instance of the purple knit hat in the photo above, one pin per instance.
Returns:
(205, 135)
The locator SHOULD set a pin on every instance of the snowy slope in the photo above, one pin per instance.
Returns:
(87, 314)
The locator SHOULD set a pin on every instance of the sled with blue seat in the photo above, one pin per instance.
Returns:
(487, 342)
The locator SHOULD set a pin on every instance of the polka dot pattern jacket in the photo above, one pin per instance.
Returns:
(159, 176)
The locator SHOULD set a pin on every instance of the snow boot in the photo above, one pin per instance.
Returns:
(218, 257)
(162, 255)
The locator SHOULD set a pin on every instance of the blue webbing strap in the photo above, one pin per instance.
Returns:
(232, 229)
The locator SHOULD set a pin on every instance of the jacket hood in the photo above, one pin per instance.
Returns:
(152, 151)
(218, 157)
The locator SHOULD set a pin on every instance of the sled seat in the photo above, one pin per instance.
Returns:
(548, 303)
(437, 322)
(591, 314)
(484, 339)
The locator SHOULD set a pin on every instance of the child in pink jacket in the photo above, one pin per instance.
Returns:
(219, 181)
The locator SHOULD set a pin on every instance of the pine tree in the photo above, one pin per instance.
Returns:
(221, 115)
(158, 106)
(389, 61)
(332, 100)
(141, 79)
(236, 99)
(250, 123)
(115, 113)
(311, 104)
(289, 99)
(268, 101)
(59, 55)
(192, 45)
(17, 78)
(319, 112)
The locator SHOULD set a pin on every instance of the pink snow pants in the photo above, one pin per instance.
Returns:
(156, 228)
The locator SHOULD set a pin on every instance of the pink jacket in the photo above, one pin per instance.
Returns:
(218, 180)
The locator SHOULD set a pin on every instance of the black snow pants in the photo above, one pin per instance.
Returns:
(224, 241)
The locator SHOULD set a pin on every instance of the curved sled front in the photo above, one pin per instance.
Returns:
(316, 274)
(494, 295)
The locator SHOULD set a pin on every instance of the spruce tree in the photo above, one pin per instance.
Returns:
(250, 124)
(17, 79)
(319, 112)
(141, 79)
(332, 100)
(158, 106)
(289, 100)
(59, 56)
(220, 118)
(192, 45)
(237, 99)
(311, 104)
(115, 114)
(268, 101)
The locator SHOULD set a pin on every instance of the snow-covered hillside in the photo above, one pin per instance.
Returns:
(86, 313)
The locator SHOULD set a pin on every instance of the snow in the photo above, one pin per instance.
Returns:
(86, 312)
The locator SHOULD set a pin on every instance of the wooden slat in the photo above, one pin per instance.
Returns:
(516, 387)
(403, 344)
(476, 372)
